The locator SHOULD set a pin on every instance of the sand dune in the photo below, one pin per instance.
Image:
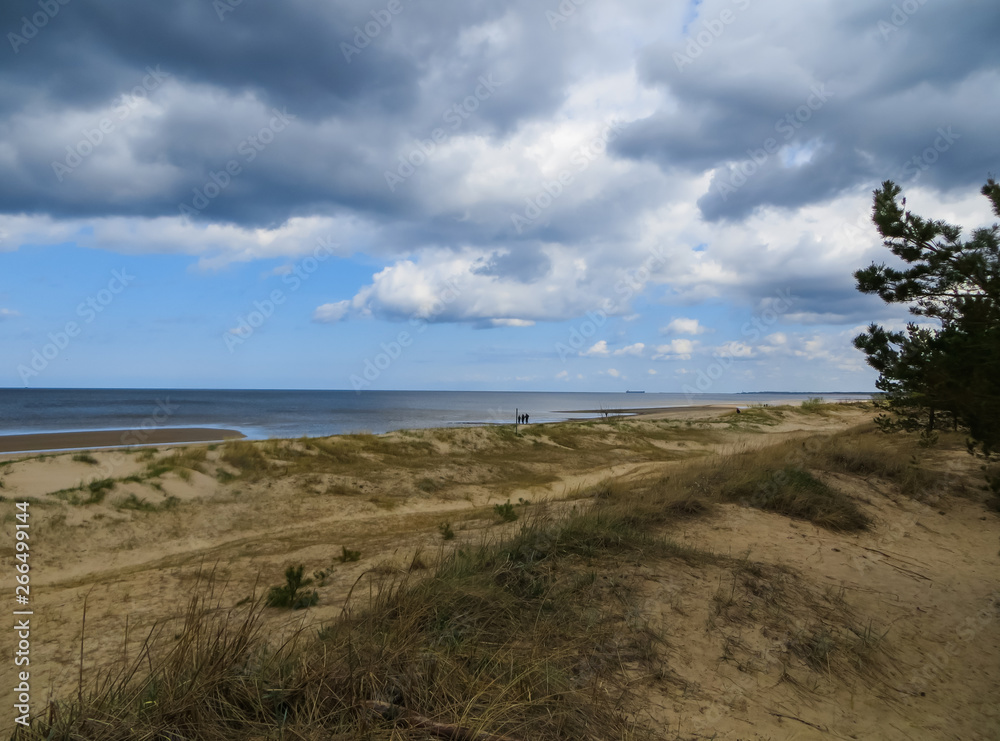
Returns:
(243, 511)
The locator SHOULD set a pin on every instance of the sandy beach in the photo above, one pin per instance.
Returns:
(135, 534)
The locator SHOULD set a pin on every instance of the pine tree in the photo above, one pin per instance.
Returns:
(944, 371)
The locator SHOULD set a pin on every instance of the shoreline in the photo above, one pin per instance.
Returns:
(660, 412)
(43, 442)
(67, 441)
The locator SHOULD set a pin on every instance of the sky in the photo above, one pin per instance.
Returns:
(509, 195)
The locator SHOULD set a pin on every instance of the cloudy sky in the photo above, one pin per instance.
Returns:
(511, 195)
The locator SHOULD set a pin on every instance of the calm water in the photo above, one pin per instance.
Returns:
(263, 414)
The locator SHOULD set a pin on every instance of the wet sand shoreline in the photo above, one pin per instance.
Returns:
(92, 439)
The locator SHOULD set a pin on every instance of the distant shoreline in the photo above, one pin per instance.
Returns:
(44, 442)
(701, 410)
(93, 439)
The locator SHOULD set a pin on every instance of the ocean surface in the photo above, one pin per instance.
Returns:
(265, 414)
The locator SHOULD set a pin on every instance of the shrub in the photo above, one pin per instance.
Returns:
(505, 511)
(288, 594)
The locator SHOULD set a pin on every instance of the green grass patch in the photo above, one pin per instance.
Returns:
(97, 490)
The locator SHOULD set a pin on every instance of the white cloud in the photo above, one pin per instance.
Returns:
(679, 349)
(681, 325)
(332, 313)
(465, 285)
(599, 348)
(735, 349)
(216, 244)
(8, 313)
(635, 350)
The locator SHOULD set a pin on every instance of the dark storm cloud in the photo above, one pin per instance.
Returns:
(289, 52)
(789, 104)
(869, 93)
(357, 100)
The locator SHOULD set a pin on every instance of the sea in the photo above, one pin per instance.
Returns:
(263, 414)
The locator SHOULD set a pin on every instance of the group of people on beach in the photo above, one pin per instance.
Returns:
(522, 419)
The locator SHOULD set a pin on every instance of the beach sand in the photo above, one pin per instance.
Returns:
(927, 573)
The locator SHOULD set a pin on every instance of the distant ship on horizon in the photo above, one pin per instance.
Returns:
(635, 392)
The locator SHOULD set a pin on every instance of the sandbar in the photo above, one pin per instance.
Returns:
(90, 439)
(703, 410)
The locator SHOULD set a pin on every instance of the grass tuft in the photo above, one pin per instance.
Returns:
(795, 492)
(347, 555)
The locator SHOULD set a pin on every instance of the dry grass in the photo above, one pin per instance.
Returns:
(815, 631)
(511, 638)
(775, 479)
